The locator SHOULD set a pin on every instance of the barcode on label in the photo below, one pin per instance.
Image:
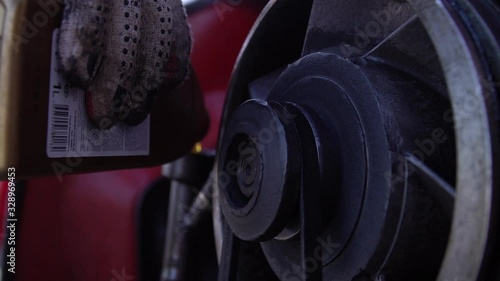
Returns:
(60, 128)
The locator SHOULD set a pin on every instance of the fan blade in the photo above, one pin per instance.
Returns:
(443, 192)
(353, 27)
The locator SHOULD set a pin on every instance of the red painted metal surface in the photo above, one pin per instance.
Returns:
(84, 228)
(3, 207)
(219, 32)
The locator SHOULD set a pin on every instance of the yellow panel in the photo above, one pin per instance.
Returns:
(11, 13)
(2, 17)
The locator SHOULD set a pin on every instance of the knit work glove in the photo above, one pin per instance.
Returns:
(123, 53)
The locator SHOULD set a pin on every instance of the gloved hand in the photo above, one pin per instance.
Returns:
(122, 53)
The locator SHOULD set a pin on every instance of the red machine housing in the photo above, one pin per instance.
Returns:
(84, 227)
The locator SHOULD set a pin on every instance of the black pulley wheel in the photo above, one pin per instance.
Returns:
(360, 142)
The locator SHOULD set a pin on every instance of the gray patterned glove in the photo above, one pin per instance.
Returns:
(122, 53)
